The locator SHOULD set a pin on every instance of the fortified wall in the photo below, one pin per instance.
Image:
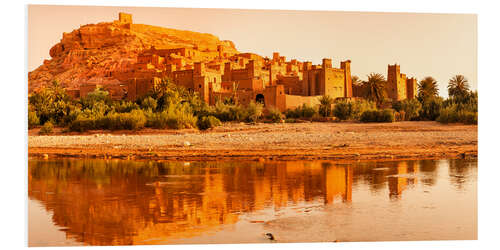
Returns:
(217, 73)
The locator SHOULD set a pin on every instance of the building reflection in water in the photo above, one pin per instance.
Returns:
(121, 202)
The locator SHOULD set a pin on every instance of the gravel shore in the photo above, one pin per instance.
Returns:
(277, 141)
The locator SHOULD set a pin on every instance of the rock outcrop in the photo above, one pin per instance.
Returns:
(95, 51)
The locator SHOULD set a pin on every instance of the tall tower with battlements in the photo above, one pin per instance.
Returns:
(396, 83)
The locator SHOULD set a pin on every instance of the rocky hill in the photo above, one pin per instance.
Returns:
(91, 52)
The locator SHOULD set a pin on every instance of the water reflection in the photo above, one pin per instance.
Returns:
(114, 202)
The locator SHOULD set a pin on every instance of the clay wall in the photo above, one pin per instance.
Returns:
(275, 96)
(73, 93)
(250, 84)
(311, 81)
(87, 88)
(294, 101)
(116, 91)
(332, 83)
(292, 84)
(184, 78)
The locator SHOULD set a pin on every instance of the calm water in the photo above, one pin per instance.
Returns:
(115, 202)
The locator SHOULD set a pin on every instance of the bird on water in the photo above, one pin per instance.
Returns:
(270, 236)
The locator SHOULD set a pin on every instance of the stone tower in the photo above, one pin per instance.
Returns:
(125, 18)
(327, 63)
(346, 66)
(411, 88)
(396, 83)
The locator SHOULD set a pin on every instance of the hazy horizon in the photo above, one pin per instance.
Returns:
(437, 45)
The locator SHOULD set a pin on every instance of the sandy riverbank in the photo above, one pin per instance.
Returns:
(336, 141)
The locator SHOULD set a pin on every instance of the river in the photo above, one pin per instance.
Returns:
(118, 202)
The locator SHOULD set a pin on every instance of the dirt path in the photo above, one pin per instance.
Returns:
(341, 141)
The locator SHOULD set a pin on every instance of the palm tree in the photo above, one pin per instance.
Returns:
(356, 80)
(458, 86)
(374, 88)
(325, 105)
(162, 87)
(427, 88)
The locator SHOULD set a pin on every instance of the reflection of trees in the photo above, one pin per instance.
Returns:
(428, 169)
(394, 175)
(459, 170)
(122, 202)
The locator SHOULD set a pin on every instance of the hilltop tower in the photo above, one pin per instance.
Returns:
(125, 18)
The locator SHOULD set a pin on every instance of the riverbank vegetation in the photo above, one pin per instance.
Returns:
(173, 107)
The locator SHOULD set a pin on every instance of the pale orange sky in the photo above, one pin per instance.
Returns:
(437, 45)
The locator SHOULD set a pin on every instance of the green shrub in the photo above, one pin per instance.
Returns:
(125, 106)
(342, 110)
(467, 117)
(386, 115)
(237, 113)
(308, 111)
(369, 116)
(345, 110)
(304, 111)
(431, 108)
(222, 111)
(274, 114)
(33, 120)
(207, 122)
(97, 96)
(50, 103)
(254, 111)
(454, 113)
(149, 103)
(47, 128)
(115, 121)
(360, 106)
(82, 123)
(232, 112)
(181, 120)
(325, 106)
(447, 115)
(410, 107)
(173, 118)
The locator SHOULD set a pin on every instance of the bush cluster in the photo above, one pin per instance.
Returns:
(133, 120)
(274, 115)
(408, 109)
(352, 110)
(33, 120)
(385, 115)
(226, 112)
(303, 111)
(455, 114)
(47, 128)
(208, 122)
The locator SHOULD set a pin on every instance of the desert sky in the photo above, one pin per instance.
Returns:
(437, 45)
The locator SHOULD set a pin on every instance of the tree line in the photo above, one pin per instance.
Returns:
(170, 106)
